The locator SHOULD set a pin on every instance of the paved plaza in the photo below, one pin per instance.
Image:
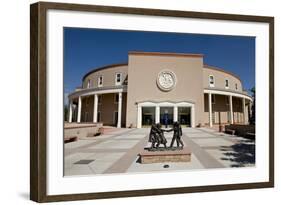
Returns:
(117, 151)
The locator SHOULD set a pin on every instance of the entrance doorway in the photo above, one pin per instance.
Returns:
(148, 116)
(166, 116)
(165, 113)
(184, 116)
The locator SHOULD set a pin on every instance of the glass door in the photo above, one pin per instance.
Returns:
(184, 116)
(166, 116)
(148, 116)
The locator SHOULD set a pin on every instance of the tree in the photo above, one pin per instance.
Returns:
(253, 108)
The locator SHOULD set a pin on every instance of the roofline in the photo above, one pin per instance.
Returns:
(84, 92)
(102, 68)
(207, 90)
(165, 54)
(224, 71)
(142, 53)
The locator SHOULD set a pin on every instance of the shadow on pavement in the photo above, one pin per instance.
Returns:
(240, 154)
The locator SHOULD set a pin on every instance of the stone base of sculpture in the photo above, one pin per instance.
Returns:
(165, 155)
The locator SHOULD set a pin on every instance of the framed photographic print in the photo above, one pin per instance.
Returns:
(134, 102)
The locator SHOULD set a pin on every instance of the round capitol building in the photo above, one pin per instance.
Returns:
(157, 87)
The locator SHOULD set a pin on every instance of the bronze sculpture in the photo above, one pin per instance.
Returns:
(177, 134)
(156, 137)
(162, 139)
(153, 136)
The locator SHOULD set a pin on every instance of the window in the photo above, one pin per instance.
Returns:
(211, 81)
(226, 84)
(100, 81)
(227, 100)
(99, 99)
(99, 116)
(89, 84)
(213, 99)
(118, 79)
(116, 98)
(236, 86)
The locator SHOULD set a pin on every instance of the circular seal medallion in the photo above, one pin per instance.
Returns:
(166, 80)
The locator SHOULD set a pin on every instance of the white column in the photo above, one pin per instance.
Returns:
(193, 116)
(70, 111)
(175, 113)
(79, 109)
(210, 111)
(95, 114)
(139, 117)
(157, 114)
(244, 109)
(231, 109)
(119, 109)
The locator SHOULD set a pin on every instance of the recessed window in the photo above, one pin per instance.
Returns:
(100, 81)
(116, 98)
(211, 81)
(99, 116)
(236, 86)
(118, 78)
(89, 84)
(226, 84)
(99, 99)
(213, 99)
(227, 100)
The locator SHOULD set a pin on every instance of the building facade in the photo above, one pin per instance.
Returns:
(160, 88)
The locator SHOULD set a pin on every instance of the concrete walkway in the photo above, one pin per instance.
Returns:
(117, 152)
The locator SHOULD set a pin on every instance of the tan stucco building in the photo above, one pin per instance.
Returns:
(160, 87)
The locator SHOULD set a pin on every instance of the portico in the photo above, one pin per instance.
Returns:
(213, 107)
(81, 99)
(158, 112)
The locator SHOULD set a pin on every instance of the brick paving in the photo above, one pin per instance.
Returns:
(117, 151)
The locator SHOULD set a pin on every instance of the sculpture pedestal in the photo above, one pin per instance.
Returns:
(180, 155)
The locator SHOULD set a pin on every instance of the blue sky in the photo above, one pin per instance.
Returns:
(86, 49)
